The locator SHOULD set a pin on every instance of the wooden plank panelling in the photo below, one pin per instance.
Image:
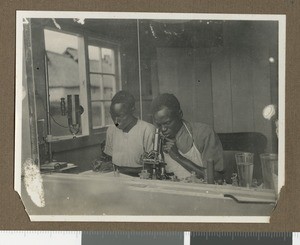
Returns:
(179, 71)
(242, 90)
(221, 88)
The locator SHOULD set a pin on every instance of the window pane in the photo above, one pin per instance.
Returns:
(97, 114)
(63, 76)
(94, 58)
(108, 119)
(100, 114)
(96, 87)
(109, 87)
(108, 61)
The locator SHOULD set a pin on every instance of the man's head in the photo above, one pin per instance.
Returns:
(167, 114)
(122, 108)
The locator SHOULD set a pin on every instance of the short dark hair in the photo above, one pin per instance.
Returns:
(125, 98)
(166, 100)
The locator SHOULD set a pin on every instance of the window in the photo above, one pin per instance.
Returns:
(66, 70)
(103, 82)
(62, 76)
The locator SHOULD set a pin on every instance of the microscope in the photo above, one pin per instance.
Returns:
(154, 160)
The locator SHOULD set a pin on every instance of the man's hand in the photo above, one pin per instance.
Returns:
(170, 147)
(102, 166)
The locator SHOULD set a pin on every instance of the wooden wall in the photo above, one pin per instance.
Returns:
(187, 74)
(226, 87)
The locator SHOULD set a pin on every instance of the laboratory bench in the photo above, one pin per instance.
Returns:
(95, 193)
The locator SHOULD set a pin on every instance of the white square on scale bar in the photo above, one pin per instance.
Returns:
(296, 238)
(40, 237)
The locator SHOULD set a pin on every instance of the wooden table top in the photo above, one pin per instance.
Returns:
(93, 193)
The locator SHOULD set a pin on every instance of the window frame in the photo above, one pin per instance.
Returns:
(101, 43)
(86, 38)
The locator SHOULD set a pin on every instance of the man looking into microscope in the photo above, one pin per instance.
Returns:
(187, 145)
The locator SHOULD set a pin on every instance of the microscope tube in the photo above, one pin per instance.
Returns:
(156, 140)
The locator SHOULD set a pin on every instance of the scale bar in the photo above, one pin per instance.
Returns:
(147, 238)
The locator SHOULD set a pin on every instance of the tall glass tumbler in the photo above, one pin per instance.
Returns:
(244, 162)
(269, 165)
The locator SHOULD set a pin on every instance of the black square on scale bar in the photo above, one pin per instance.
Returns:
(241, 238)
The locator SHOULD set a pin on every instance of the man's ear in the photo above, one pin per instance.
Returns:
(180, 113)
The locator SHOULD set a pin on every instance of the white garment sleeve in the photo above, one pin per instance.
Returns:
(109, 141)
(148, 138)
(211, 148)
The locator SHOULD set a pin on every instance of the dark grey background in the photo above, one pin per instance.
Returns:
(132, 238)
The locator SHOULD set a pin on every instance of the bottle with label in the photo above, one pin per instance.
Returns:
(154, 173)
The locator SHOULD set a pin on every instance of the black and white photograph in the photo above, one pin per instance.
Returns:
(149, 117)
